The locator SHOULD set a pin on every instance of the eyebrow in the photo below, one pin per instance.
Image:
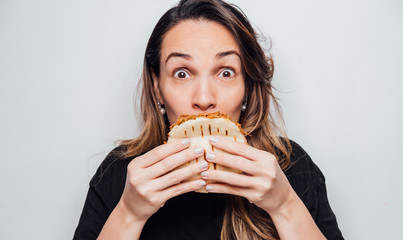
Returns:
(226, 53)
(187, 56)
(176, 54)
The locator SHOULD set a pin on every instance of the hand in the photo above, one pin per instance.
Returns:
(263, 182)
(150, 181)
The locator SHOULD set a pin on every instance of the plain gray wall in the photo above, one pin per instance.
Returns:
(68, 72)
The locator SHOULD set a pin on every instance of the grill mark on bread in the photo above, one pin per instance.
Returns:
(216, 115)
(213, 126)
(201, 129)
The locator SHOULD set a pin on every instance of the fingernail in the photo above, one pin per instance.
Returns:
(185, 142)
(210, 156)
(204, 174)
(199, 150)
(204, 164)
(202, 183)
(213, 139)
(209, 188)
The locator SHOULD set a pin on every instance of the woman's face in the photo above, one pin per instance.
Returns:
(200, 71)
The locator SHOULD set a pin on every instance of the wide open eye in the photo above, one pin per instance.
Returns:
(226, 73)
(180, 73)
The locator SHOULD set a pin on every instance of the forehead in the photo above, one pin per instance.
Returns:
(198, 37)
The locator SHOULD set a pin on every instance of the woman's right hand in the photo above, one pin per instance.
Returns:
(150, 181)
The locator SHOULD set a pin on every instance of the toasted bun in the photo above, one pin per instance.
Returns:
(199, 128)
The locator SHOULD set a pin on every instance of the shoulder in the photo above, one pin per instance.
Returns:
(114, 162)
(301, 163)
(108, 182)
(304, 175)
(105, 190)
(308, 182)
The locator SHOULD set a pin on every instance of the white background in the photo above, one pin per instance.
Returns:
(68, 71)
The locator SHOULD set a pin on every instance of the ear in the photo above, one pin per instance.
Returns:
(156, 87)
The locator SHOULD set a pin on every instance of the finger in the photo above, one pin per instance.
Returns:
(182, 188)
(232, 161)
(157, 154)
(230, 189)
(230, 178)
(236, 148)
(173, 161)
(179, 175)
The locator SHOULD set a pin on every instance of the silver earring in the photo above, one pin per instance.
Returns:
(162, 109)
(244, 104)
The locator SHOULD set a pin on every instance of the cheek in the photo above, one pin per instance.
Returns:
(169, 92)
(231, 99)
(175, 101)
(172, 97)
(230, 102)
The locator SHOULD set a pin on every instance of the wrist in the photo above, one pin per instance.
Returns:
(293, 220)
(125, 215)
(121, 224)
(286, 208)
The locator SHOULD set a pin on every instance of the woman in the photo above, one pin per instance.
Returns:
(203, 56)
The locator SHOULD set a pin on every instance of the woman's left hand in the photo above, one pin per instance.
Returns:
(263, 183)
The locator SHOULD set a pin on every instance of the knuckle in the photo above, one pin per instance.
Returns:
(237, 162)
(270, 176)
(219, 156)
(132, 166)
(165, 165)
(190, 153)
(265, 186)
(195, 169)
(242, 150)
(233, 191)
(134, 180)
(183, 157)
(186, 157)
(271, 159)
(153, 201)
(157, 153)
(274, 178)
(174, 179)
(225, 143)
(178, 190)
(160, 152)
(258, 197)
(143, 192)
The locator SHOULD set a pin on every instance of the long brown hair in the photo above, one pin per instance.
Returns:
(262, 118)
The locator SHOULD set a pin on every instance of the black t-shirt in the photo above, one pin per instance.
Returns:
(196, 215)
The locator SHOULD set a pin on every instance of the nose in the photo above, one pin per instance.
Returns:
(204, 98)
